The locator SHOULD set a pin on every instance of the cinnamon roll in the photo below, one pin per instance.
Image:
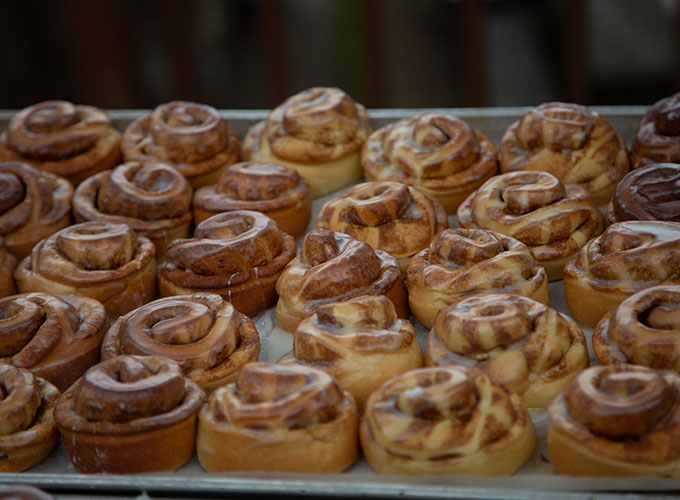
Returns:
(460, 262)
(7, 266)
(275, 190)
(61, 138)
(27, 429)
(617, 421)
(130, 414)
(359, 342)
(388, 216)
(552, 218)
(102, 260)
(209, 339)
(33, 205)
(333, 267)
(23, 492)
(572, 142)
(191, 137)
(318, 132)
(446, 420)
(278, 418)
(657, 137)
(629, 257)
(439, 154)
(154, 199)
(238, 255)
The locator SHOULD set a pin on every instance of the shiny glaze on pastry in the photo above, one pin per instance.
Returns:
(657, 137)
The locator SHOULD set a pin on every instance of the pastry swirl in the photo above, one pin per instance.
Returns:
(8, 264)
(657, 137)
(445, 420)
(61, 138)
(439, 154)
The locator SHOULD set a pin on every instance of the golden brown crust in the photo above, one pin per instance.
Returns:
(657, 137)
(279, 418)
(61, 138)
(439, 154)
(8, 264)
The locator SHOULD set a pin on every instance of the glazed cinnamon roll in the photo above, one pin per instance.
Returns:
(446, 420)
(130, 414)
(318, 132)
(460, 262)
(333, 267)
(440, 155)
(275, 190)
(359, 342)
(55, 337)
(61, 138)
(238, 255)
(570, 141)
(23, 492)
(191, 137)
(553, 219)
(278, 418)
(617, 421)
(27, 428)
(657, 137)
(154, 199)
(102, 260)
(33, 205)
(7, 266)
(388, 216)
(629, 257)
(209, 339)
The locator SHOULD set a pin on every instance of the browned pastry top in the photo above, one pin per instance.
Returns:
(657, 138)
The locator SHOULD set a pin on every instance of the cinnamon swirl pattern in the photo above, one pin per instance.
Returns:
(191, 137)
(27, 428)
(7, 266)
(130, 414)
(460, 262)
(33, 205)
(318, 132)
(388, 216)
(617, 421)
(61, 138)
(209, 339)
(101, 260)
(657, 137)
(572, 142)
(238, 255)
(333, 267)
(275, 190)
(446, 420)
(278, 418)
(553, 219)
(154, 199)
(439, 154)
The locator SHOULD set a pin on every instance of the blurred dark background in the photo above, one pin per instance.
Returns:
(385, 53)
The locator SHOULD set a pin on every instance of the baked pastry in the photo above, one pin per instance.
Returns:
(27, 429)
(319, 132)
(643, 330)
(460, 262)
(572, 142)
(130, 414)
(55, 337)
(191, 137)
(388, 216)
(69, 140)
(278, 418)
(154, 199)
(446, 420)
(238, 255)
(617, 421)
(209, 339)
(629, 257)
(7, 266)
(552, 218)
(651, 192)
(102, 260)
(33, 205)
(522, 344)
(333, 267)
(439, 154)
(23, 492)
(657, 137)
(359, 342)
(275, 190)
